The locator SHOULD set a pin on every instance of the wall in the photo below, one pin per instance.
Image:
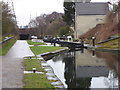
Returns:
(84, 23)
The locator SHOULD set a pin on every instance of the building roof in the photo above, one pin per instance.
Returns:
(91, 8)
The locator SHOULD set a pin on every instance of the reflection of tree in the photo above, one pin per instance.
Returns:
(83, 83)
(111, 59)
(70, 74)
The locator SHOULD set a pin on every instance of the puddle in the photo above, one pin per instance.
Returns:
(31, 45)
(48, 70)
(27, 72)
(59, 87)
(56, 83)
(42, 61)
(40, 58)
(45, 65)
(52, 78)
(50, 74)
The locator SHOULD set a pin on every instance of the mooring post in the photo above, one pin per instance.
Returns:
(30, 57)
(54, 44)
(54, 41)
(93, 53)
(82, 44)
(34, 70)
(93, 41)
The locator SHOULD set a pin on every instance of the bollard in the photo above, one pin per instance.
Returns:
(93, 53)
(82, 44)
(93, 41)
(34, 70)
(54, 44)
(82, 50)
(30, 57)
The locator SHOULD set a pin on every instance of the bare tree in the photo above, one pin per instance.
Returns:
(54, 27)
(47, 24)
(9, 25)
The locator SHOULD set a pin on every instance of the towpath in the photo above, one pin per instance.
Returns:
(12, 67)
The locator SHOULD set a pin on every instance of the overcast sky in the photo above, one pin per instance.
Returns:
(26, 9)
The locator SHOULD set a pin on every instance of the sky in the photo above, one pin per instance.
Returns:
(29, 9)
(26, 9)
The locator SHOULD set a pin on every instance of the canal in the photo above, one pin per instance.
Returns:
(87, 69)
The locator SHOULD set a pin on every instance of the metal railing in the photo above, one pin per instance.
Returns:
(108, 40)
(5, 40)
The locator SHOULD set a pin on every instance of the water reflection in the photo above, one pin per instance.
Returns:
(111, 59)
(87, 69)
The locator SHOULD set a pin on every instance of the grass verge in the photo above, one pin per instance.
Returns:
(6, 47)
(35, 80)
(35, 43)
(32, 63)
(114, 44)
(43, 49)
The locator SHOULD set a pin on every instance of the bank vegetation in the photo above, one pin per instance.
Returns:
(8, 22)
(109, 29)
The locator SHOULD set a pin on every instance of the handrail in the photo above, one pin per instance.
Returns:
(5, 40)
(108, 40)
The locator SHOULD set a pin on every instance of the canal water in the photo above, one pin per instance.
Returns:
(87, 69)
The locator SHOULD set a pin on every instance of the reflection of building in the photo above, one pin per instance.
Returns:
(96, 68)
(89, 65)
(91, 71)
(86, 59)
(88, 15)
